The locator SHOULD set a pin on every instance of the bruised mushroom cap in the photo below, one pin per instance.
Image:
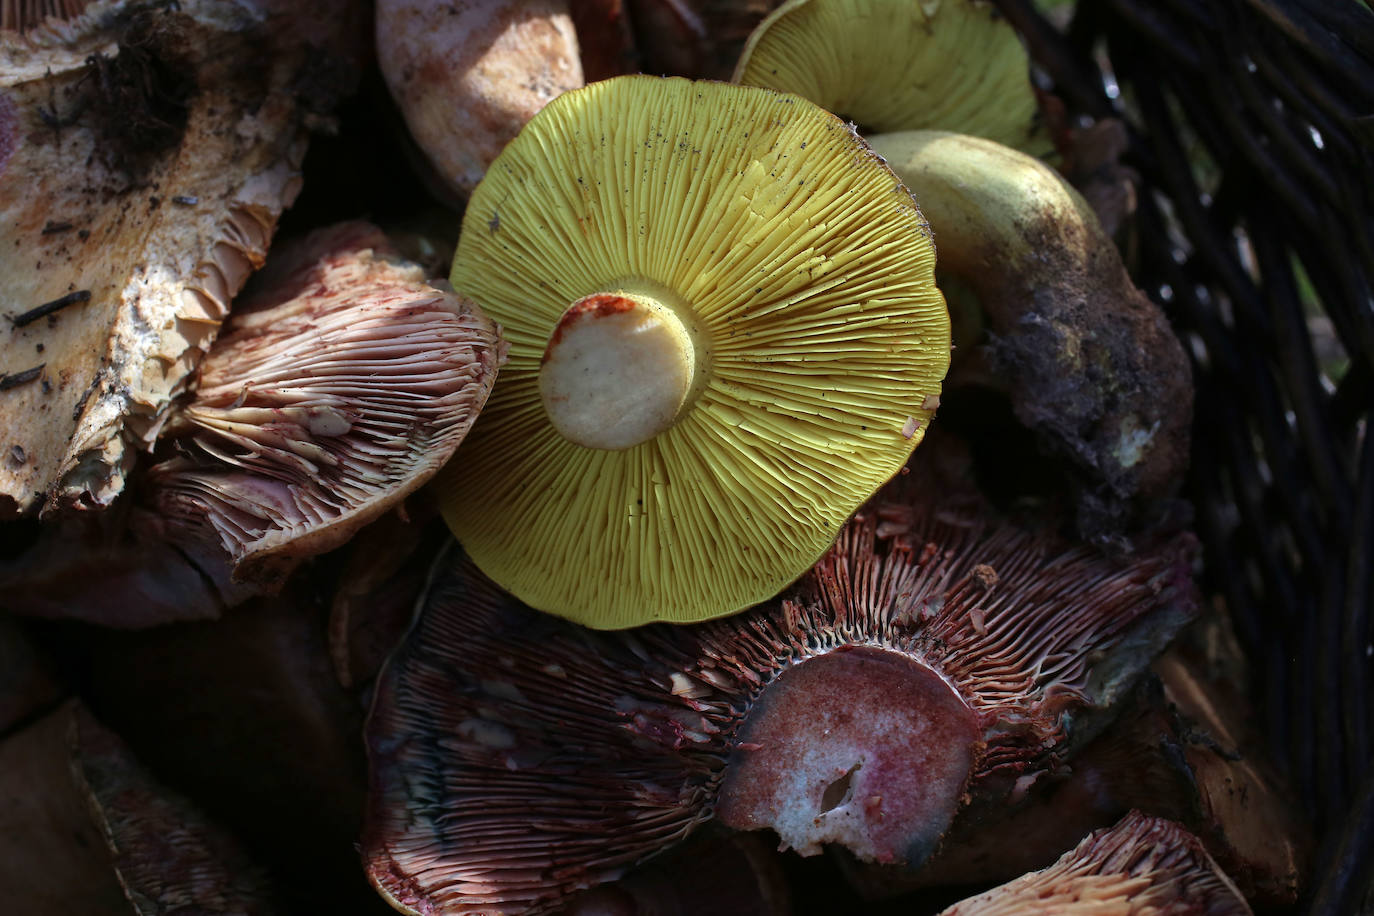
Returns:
(1143, 865)
(1093, 366)
(934, 658)
(336, 392)
(467, 76)
(901, 65)
(142, 171)
(724, 336)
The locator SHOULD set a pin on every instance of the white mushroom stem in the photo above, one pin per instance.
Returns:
(618, 370)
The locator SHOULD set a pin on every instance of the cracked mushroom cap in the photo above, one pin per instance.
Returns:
(935, 659)
(724, 334)
(142, 171)
(901, 65)
(1143, 865)
(337, 391)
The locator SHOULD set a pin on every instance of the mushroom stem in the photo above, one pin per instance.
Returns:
(618, 370)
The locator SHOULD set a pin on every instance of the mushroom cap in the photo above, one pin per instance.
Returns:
(1093, 366)
(1143, 865)
(142, 171)
(515, 758)
(467, 76)
(804, 273)
(337, 391)
(901, 65)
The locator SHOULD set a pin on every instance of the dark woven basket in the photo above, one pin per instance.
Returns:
(1252, 129)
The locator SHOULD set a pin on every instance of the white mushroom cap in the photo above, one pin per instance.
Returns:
(468, 75)
(142, 171)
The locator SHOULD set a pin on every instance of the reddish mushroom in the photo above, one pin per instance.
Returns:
(1143, 865)
(936, 659)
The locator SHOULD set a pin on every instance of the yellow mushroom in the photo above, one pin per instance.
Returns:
(724, 336)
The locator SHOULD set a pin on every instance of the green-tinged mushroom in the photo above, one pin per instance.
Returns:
(724, 336)
(1091, 364)
(901, 65)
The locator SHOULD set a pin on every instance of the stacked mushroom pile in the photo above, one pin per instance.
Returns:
(644, 467)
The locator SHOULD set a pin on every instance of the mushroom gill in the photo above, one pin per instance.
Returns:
(725, 336)
(85, 829)
(142, 171)
(1140, 867)
(337, 390)
(892, 65)
(24, 15)
(936, 659)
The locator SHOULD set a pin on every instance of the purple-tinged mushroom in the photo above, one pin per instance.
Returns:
(937, 659)
(84, 829)
(1167, 754)
(1141, 867)
(342, 383)
(336, 391)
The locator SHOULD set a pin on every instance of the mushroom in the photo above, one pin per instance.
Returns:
(724, 336)
(936, 659)
(605, 41)
(382, 573)
(892, 65)
(244, 715)
(1091, 364)
(1183, 750)
(1166, 754)
(1142, 865)
(467, 76)
(142, 171)
(338, 389)
(84, 829)
(92, 567)
(346, 380)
